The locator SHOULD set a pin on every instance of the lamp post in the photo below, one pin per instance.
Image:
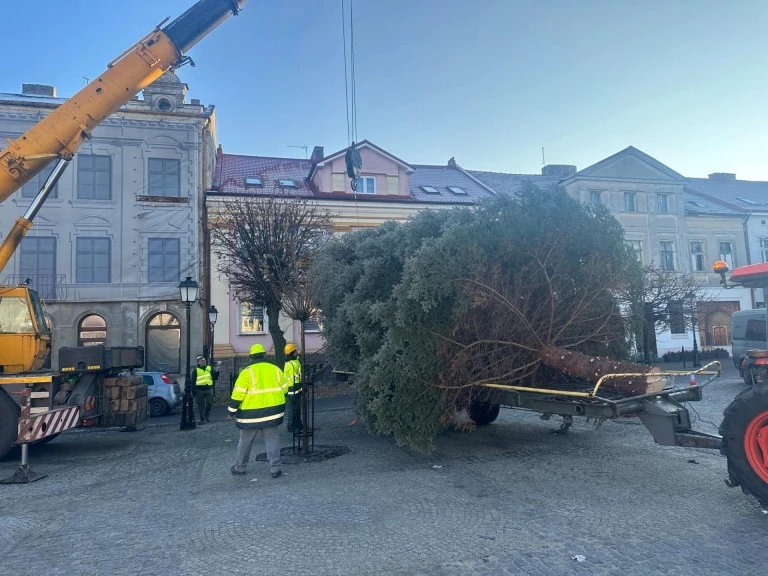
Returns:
(695, 322)
(213, 315)
(188, 291)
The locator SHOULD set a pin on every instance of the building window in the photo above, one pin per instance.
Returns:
(314, 325)
(457, 190)
(764, 249)
(595, 197)
(430, 189)
(630, 202)
(164, 260)
(667, 252)
(676, 317)
(252, 181)
(726, 253)
(366, 185)
(31, 188)
(637, 248)
(164, 177)
(662, 203)
(38, 263)
(94, 177)
(698, 261)
(92, 331)
(287, 183)
(92, 261)
(253, 319)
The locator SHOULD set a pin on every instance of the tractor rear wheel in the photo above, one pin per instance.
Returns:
(9, 423)
(745, 442)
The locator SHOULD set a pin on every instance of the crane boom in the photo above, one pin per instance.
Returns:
(61, 133)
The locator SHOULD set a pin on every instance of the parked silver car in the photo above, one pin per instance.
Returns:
(163, 392)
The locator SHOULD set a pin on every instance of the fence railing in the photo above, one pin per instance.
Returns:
(50, 287)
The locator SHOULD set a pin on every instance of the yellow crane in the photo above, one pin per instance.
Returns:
(25, 340)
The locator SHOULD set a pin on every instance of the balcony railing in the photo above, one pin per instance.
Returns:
(50, 287)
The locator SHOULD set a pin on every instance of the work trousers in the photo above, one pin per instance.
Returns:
(293, 412)
(204, 398)
(271, 440)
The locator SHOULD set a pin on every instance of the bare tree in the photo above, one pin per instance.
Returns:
(300, 296)
(660, 300)
(265, 245)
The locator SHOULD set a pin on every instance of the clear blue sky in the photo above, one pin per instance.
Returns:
(487, 81)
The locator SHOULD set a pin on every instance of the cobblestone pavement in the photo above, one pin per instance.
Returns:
(511, 498)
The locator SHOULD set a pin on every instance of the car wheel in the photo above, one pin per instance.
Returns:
(158, 407)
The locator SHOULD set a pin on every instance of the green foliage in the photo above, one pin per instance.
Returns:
(403, 304)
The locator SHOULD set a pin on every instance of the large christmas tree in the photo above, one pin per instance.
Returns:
(524, 290)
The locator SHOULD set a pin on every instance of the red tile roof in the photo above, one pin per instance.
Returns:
(232, 170)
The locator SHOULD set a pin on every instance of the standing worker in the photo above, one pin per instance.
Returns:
(292, 370)
(203, 383)
(258, 404)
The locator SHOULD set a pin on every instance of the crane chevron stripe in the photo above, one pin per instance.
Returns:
(38, 426)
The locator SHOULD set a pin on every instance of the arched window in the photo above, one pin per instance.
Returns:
(92, 331)
(163, 347)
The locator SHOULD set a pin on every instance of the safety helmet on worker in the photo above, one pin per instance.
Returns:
(257, 349)
(290, 348)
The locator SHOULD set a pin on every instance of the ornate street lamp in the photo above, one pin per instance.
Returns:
(188, 292)
(213, 315)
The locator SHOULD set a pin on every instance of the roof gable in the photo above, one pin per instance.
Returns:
(630, 164)
(362, 145)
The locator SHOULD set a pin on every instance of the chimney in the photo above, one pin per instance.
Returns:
(722, 176)
(561, 170)
(452, 162)
(38, 90)
(318, 153)
(219, 152)
(195, 101)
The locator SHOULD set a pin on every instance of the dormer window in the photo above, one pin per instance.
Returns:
(252, 181)
(287, 183)
(430, 189)
(456, 190)
(366, 185)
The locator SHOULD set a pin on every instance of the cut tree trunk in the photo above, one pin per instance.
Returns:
(639, 379)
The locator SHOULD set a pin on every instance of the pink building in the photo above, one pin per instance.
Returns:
(388, 189)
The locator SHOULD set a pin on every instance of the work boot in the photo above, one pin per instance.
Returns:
(236, 471)
(277, 474)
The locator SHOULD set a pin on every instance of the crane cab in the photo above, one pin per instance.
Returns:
(25, 338)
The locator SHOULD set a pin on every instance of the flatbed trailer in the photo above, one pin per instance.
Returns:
(742, 438)
(663, 412)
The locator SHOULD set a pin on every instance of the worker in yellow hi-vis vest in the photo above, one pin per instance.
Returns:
(258, 405)
(292, 371)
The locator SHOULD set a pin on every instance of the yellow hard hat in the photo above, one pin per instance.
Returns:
(289, 348)
(257, 349)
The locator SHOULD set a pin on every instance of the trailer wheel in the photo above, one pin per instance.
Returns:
(745, 442)
(483, 413)
(9, 422)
